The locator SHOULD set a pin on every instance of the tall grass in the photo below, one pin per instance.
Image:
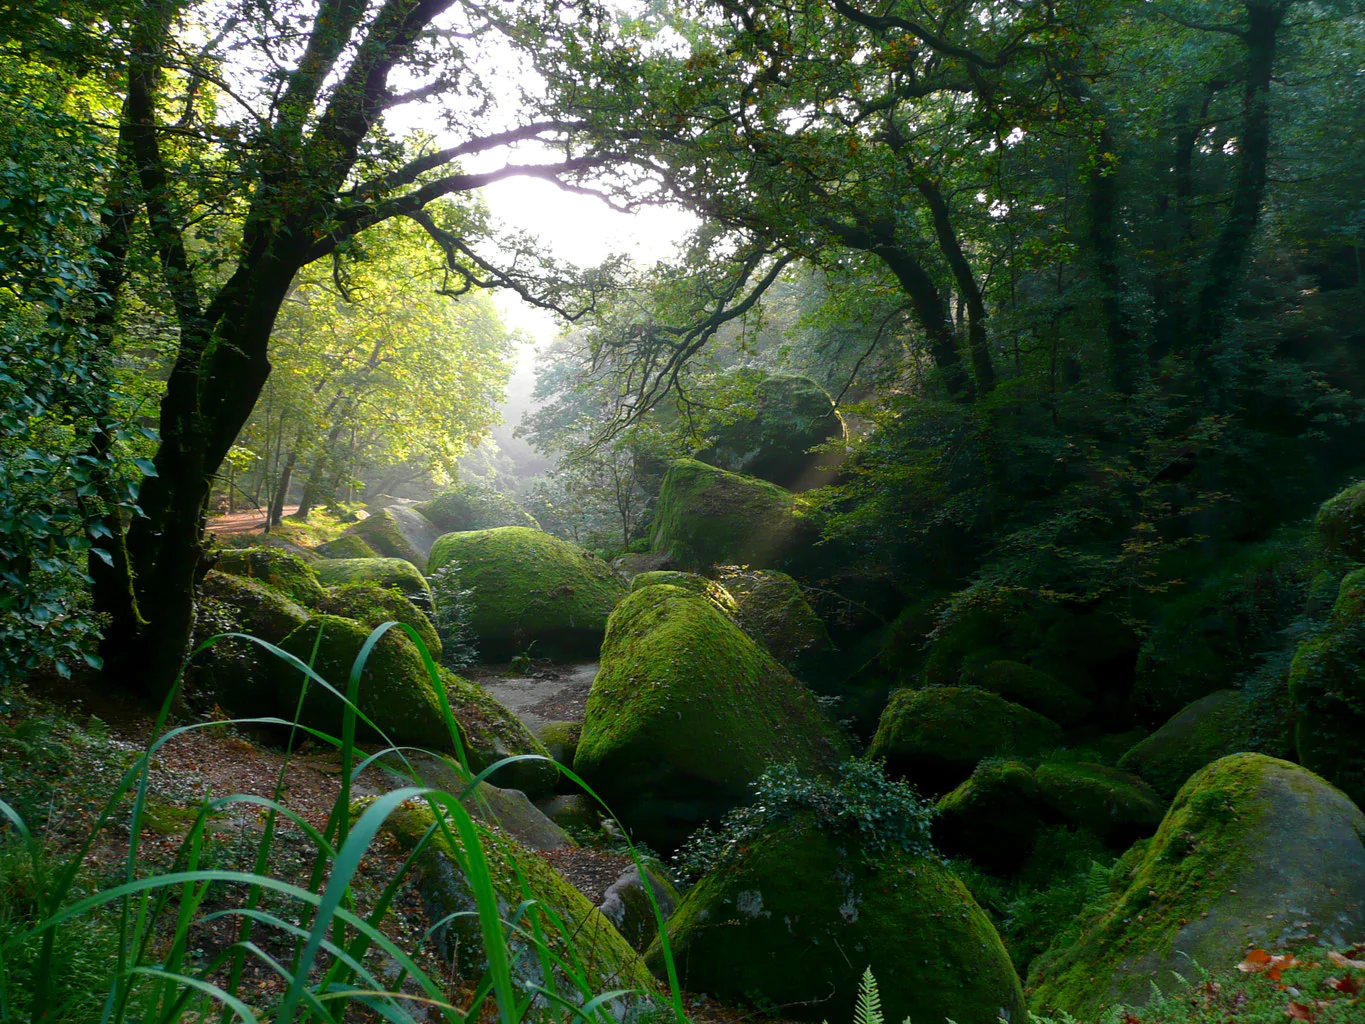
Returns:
(148, 920)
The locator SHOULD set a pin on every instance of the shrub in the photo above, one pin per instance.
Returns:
(453, 617)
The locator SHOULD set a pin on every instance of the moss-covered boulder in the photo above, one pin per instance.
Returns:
(1327, 688)
(936, 736)
(1212, 727)
(1254, 850)
(233, 672)
(468, 507)
(993, 817)
(395, 689)
(1116, 806)
(706, 516)
(531, 588)
(287, 573)
(573, 929)
(772, 608)
(686, 711)
(770, 427)
(261, 610)
(794, 918)
(390, 573)
(1349, 607)
(348, 545)
(626, 903)
(383, 534)
(1340, 522)
(560, 739)
(370, 605)
(1035, 690)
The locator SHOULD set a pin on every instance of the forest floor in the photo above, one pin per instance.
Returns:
(546, 693)
(243, 522)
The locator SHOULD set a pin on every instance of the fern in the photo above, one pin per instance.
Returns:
(868, 1009)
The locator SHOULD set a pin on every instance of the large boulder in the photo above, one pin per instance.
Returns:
(686, 712)
(466, 507)
(772, 608)
(1116, 806)
(1327, 687)
(285, 572)
(1212, 727)
(707, 516)
(626, 903)
(261, 610)
(348, 545)
(531, 588)
(574, 931)
(391, 573)
(397, 532)
(230, 671)
(770, 429)
(371, 605)
(1030, 687)
(794, 917)
(935, 737)
(1340, 522)
(994, 816)
(1253, 850)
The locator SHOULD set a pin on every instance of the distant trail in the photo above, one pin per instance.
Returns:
(243, 522)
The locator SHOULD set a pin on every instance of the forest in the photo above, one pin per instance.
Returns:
(927, 586)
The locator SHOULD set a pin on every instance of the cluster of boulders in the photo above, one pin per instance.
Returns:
(1223, 792)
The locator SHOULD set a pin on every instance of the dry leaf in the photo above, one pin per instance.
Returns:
(1300, 1011)
(1345, 961)
(1255, 962)
(1348, 985)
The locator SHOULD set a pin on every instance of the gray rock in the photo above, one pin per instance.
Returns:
(626, 904)
(417, 529)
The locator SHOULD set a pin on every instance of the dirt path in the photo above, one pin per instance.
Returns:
(243, 522)
(556, 693)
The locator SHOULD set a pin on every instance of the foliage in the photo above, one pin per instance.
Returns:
(879, 813)
(453, 617)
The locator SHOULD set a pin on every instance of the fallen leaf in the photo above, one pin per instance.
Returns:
(1299, 1011)
(1345, 961)
(1280, 964)
(1256, 961)
(1348, 985)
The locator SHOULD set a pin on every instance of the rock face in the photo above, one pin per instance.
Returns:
(370, 605)
(1340, 522)
(395, 689)
(796, 916)
(783, 417)
(1210, 728)
(1035, 690)
(395, 573)
(531, 588)
(686, 711)
(575, 931)
(707, 517)
(1253, 849)
(465, 508)
(286, 573)
(934, 737)
(1327, 687)
(626, 904)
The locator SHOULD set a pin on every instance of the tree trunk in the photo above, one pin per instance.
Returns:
(282, 488)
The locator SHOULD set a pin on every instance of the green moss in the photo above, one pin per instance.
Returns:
(993, 817)
(1210, 728)
(287, 573)
(973, 640)
(348, 545)
(561, 740)
(1340, 522)
(1116, 806)
(530, 587)
(390, 573)
(772, 608)
(573, 929)
(706, 516)
(370, 605)
(936, 736)
(794, 918)
(1253, 850)
(1349, 607)
(491, 732)
(381, 533)
(687, 711)
(1327, 687)
(466, 507)
(261, 610)
(1033, 689)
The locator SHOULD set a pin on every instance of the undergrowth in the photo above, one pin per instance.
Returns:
(83, 938)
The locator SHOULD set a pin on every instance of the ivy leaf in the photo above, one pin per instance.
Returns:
(146, 465)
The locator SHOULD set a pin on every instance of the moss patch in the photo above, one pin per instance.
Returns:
(1253, 850)
(1033, 689)
(993, 817)
(383, 535)
(574, 930)
(289, 574)
(795, 917)
(531, 588)
(261, 610)
(934, 737)
(772, 608)
(1327, 687)
(348, 545)
(466, 507)
(707, 516)
(390, 573)
(1349, 607)
(1210, 728)
(687, 711)
(1340, 522)
(1116, 806)
(371, 605)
